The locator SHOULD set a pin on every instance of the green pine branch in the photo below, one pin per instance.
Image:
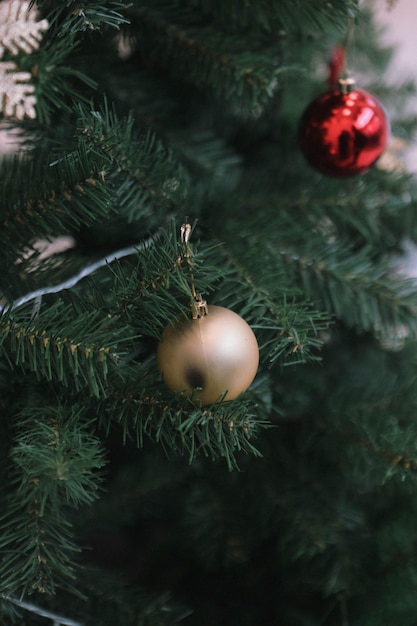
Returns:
(61, 343)
(355, 287)
(223, 430)
(377, 215)
(72, 17)
(258, 284)
(376, 426)
(154, 288)
(145, 172)
(39, 198)
(272, 15)
(109, 170)
(55, 461)
(211, 58)
(349, 281)
(288, 328)
(59, 82)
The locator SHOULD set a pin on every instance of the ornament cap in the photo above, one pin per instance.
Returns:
(199, 308)
(346, 84)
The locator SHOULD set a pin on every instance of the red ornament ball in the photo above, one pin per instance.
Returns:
(343, 132)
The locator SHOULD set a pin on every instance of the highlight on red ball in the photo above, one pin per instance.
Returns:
(343, 132)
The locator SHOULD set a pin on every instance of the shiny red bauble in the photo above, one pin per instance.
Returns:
(343, 134)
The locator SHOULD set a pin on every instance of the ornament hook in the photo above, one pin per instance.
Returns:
(338, 62)
(185, 234)
(199, 307)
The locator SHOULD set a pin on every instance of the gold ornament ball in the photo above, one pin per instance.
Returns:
(217, 353)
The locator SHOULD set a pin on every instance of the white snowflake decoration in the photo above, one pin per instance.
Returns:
(17, 97)
(19, 32)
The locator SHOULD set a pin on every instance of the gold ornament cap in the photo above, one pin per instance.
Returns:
(214, 357)
(346, 84)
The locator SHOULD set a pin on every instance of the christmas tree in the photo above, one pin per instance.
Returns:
(154, 472)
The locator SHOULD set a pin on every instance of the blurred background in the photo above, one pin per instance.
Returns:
(398, 20)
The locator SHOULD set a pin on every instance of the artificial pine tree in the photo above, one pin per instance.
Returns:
(122, 501)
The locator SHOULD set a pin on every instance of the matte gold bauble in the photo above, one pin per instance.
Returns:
(217, 353)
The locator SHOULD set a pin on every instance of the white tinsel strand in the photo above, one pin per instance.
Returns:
(58, 620)
(73, 280)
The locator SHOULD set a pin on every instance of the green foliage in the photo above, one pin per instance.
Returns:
(378, 429)
(62, 344)
(357, 291)
(223, 430)
(63, 190)
(54, 463)
(71, 17)
(152, 114)
(274, 14)
(288, 328)
(244, 73)
(155, 287)
(141, 159)
(59, 82)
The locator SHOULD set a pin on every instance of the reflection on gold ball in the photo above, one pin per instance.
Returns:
(217, 353)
